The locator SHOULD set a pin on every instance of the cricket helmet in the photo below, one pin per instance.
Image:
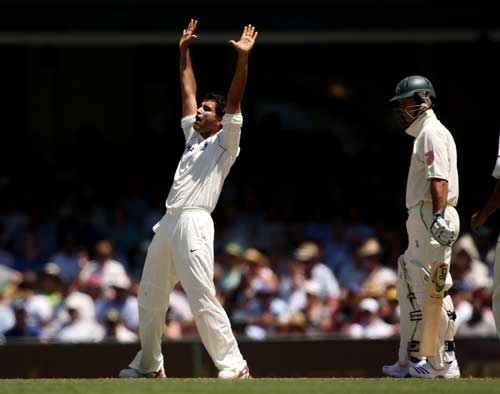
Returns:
(414, 86)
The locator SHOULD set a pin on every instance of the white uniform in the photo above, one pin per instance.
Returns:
(434, 156)
(496, 275)
(182, 249)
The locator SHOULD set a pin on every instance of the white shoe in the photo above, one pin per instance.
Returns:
(234, 374)
(397, 370)
(134, 373)
(450, 371)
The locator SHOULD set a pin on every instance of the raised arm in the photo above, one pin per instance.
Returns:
(237, 89)
(188, 81)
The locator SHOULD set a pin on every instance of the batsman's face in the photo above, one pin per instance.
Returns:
(406, 110)
(207, 121)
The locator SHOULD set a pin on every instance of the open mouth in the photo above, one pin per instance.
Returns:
(198, 119)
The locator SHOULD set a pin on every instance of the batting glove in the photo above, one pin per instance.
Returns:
(443, 231)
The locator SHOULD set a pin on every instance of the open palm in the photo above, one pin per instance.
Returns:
(247, 39)
(188, 34)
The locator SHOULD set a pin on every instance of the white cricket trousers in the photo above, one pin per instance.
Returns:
(496, 287)
(413, 278)
(182, 249)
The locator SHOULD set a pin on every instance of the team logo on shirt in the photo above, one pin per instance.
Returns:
(430, 157)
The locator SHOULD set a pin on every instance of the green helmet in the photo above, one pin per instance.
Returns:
(413, 85)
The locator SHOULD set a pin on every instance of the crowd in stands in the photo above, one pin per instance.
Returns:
(73, 274)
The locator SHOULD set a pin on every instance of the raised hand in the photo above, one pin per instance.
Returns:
(188, 34)
(247, 40)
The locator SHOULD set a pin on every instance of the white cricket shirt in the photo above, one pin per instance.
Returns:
(496, 171)
(434, 156)
(204, 164)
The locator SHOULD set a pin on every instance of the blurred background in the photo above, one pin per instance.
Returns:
(310, 222)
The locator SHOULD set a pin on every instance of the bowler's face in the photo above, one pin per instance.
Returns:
(206, 117)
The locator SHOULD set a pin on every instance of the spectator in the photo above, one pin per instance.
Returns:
(61, 317)
(122, 302)
(266, 313)
(466, 266)
(461, 295)
(232, 272)
(370, 325)
(79, 328)
(292, 287)
(257, 273)
(378, 277)
(316, 311)
(50, 283)
(93, 287)
(308, 254)
(389, 309)
(115, 330)
(481, 323)
(7, 317)
(68, 258)
(8, 277)
(22, 328)
(38, 307)
(103, 266)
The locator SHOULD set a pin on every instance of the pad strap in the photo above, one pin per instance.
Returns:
(449, 346)
(414, 346)
(416, 315)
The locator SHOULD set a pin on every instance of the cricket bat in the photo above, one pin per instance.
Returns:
(429, 337)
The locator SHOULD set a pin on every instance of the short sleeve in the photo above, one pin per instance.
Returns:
(435, 155)
(231, 131)
(187, 123)
(496, 171)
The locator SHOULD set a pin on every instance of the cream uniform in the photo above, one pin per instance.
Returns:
(182, 249)
(496, 274)
(205, 164)
(434, 156)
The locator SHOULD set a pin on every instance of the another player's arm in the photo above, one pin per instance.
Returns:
(187, 79)
(243, 46)
(479, 218)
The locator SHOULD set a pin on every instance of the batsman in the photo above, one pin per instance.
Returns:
(427, 314)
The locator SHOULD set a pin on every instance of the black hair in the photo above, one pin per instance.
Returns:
(220, 102)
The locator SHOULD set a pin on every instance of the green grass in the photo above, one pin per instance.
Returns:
(260, 386)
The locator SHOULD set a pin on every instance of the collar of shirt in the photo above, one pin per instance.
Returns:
(415, 128)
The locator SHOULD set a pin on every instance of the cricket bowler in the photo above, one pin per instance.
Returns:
(182, 247)
(427, 314)
(477, 221)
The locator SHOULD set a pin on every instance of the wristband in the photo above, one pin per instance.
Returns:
(438, 214)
